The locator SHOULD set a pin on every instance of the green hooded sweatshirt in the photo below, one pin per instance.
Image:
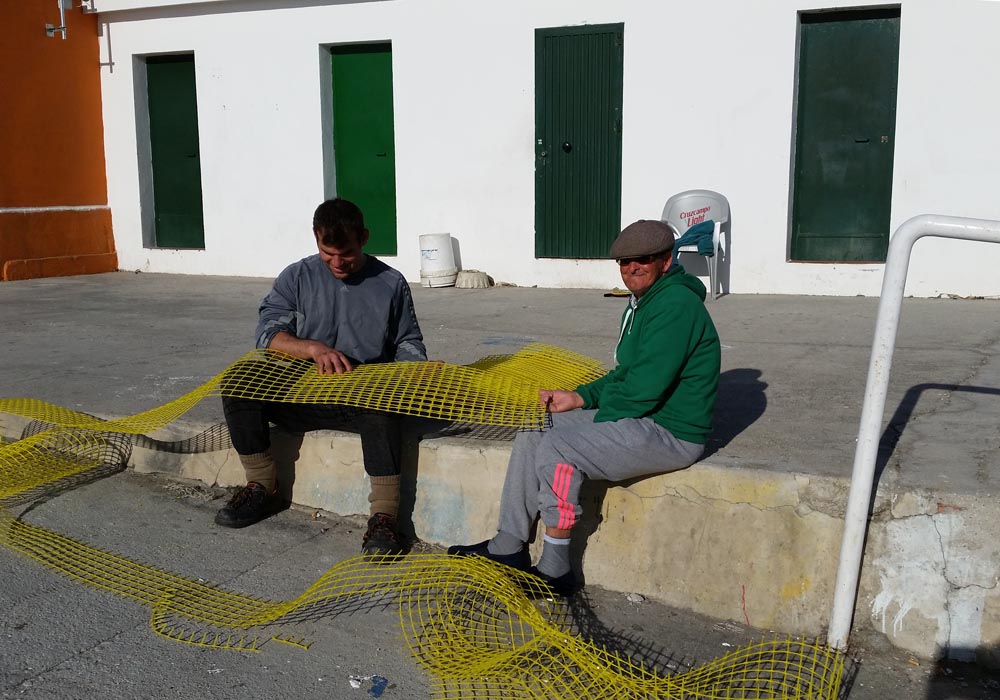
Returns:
(668, 358)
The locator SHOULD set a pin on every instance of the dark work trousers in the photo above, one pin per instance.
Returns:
(249, 426)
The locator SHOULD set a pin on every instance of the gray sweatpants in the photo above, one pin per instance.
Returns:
(547, 468)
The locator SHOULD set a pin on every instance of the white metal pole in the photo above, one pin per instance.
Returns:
(63, 6)
(886, 325)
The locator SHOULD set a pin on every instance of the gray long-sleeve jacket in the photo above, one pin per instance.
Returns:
(369, 317)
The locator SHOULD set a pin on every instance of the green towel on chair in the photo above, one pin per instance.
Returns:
(700, 235)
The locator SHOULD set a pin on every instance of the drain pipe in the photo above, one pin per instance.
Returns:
(862, 477)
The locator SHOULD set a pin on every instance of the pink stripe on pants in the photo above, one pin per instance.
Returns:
(560, 487)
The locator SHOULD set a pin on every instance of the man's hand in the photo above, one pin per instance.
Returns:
(559, 400)
(330, 360)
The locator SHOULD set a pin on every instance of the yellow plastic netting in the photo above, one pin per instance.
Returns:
(481, 630)
(499, 390)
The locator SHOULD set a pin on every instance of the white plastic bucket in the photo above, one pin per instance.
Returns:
(437, 260)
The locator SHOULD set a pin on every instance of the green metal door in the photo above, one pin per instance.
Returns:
(173, 137)
(363, 138)
(845, 132)
(578, 140)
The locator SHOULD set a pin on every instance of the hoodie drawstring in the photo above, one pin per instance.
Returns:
(627, 320)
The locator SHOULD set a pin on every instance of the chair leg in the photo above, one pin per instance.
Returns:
(712, 261)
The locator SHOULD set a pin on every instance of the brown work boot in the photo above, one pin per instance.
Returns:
(382, 539)
(250, 504)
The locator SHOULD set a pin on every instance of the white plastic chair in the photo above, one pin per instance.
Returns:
(685, 209)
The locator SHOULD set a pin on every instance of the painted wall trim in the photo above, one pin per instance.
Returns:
(35, 210)
(199, 6)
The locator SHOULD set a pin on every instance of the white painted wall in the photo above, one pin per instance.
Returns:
(708, 101)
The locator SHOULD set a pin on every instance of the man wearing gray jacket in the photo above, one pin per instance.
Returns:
(339, 308)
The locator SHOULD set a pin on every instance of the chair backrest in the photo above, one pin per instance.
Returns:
(685, 209)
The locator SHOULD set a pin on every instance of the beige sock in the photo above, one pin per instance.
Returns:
(384, 496)
(260, 468)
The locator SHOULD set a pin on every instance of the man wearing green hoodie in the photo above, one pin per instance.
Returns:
(652, 413)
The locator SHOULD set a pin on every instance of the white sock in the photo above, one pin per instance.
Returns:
(555, 557)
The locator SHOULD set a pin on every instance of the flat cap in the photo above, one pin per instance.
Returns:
(644, 237)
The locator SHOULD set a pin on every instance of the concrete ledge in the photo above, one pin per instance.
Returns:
(59, 266)
(747, 545)
(56, 243)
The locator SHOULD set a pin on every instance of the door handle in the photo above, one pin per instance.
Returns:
(861, 140)
(567, 147)
(380, 155)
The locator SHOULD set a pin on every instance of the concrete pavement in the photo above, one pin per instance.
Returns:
(749, 534)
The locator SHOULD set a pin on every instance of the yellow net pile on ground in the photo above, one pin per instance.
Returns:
(481, 630)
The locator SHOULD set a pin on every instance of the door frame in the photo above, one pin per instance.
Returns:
(144, 151)
(327, 109)
(859, 12)
(540, 113)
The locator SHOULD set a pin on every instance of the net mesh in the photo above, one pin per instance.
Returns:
(498, 390)
(479, 629)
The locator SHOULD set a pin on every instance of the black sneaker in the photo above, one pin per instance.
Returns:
(519, 560)
(560, 586)
(250, 504)
(381, 537)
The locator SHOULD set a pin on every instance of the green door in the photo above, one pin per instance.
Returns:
(173, 137)
(578, 140)
(363, 138)
(845, 132)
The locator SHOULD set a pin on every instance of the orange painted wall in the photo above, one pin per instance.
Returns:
(52, 141)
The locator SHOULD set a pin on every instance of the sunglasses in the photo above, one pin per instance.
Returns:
(641, 259)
